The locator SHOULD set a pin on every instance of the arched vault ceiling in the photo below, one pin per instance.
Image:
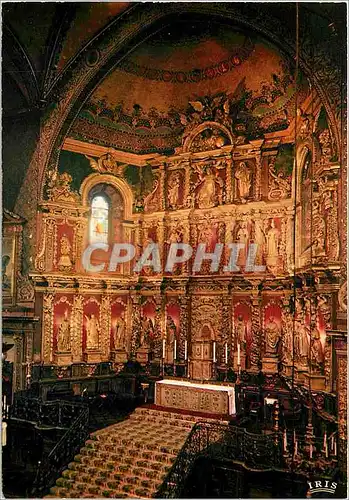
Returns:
(142, 105)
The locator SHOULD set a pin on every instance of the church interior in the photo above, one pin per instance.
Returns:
(174, 281)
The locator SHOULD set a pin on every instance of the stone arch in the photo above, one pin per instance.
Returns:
(75, 85)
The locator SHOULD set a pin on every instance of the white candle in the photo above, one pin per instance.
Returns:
(311, 451)
(335, 448)
(5, 400)
(226, 353)
(3, 433)
(214, 352)
(239, 356)
(295, 448)
(285, 440)
(175, 349)
(163, 348)
(185, 350)
(325, 445)
(332, 443)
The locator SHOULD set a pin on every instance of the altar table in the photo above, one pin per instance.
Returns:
(205, 398)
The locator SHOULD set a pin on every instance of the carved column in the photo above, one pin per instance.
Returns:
(135, 303)
(287, 336)
(47, 328)
(184, 303)
(163, 197)
(77, 326)
(18, 383)
(258, 187)
(105, 316)
(228, 179)
(256, 327)
(187, 202)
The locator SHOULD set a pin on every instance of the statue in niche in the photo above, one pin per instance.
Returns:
(151, 201)
(206, 196)
(317, 354)
(280, 187)
(92, 331)
(173, 190)
(240, 333)
(272, 244)
(242, 236)
(64, 262)
(272, 337)
(120, 332)
(326, 144)
(301, 341)
(146, 332)
(64, 339)
(171, 331)
(243, 175)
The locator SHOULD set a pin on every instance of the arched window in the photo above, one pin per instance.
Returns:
(99, 222)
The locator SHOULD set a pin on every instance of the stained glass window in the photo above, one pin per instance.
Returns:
(99, 223)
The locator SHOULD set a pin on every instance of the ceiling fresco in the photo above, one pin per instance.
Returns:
(146, 102)
(89, 20)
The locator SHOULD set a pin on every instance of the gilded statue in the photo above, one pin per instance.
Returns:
(243, 175)
(64, 262)
(272, 337)
(120, 332)
(64, 339)
(92, 331)
(171, 331)
(301, 341)
(272, 244)
(173, 190)
(107, 164)
(279, 187)
(317, 353)
(240, 333)
(151, 201)
(146, 332)
(207, 190)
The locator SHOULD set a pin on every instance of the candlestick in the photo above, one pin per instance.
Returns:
(325, 447)
(226, 353)
(239, 356)
(163, 348)
(175, 350)
(285, 440)
(185, 350)
(214, 352)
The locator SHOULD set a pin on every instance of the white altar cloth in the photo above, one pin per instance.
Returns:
(185, 395)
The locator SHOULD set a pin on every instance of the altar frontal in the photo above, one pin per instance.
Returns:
(205, 398)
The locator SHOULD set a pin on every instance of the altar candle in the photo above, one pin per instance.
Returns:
(325, 445)
(3, 433)
(311, 451)
(239, 356)
(163, 348)
(214, 352)
(185, 350)
(335, 448)
(226, 353)
(332, 443)
(175, 349)
(5, 400)
(285, 440)
(295, 448)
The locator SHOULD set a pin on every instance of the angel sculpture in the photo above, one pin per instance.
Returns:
(107, 164)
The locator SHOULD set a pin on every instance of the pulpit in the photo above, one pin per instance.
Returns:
(201, 363)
